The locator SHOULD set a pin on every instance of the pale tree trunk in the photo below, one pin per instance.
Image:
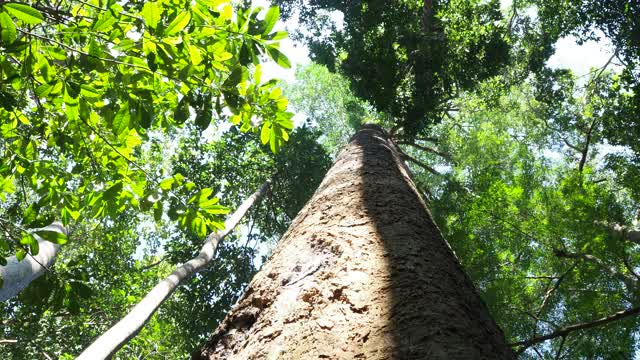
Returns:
(129, 326)
(362, 273)
(17, 275)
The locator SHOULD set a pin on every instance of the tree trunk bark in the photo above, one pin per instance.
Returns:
(17, 275)
(362, 273)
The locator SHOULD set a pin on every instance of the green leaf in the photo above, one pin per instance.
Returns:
(278, 35)
(199, 227)
(121, 120)
(44, 90)
(8, 32)
(89, 92)
(20, 254)
(270, 20)
(52, 236)
(24, 12)
(151, 14)
(104, 22)
(34, 247)
(158, 211)
(265, 132)
(285, 120)
(205, 113)
(27, 238)
(167, 183)
(82, 289)
(181, 113)
(179, 23)
(278, 57)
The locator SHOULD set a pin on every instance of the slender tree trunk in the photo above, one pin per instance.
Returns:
(123, 331)
(17, 275)
(362, 273)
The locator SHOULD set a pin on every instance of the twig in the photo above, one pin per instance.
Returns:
(427, 149)
(564, 331)
(420, 163)
(70, 48)
(564, 338)
(585, 150)
(629, 282)
(147, 267)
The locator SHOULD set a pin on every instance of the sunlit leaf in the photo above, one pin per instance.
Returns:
(24, 12)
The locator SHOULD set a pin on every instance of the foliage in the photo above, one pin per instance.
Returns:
(86, 84)
(534, 223)
(618, 20)
(408, 58)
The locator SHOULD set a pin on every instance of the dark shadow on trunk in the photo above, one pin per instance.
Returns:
(435, 310)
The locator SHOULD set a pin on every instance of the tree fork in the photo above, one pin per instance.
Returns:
(119, 334)
(362, 273)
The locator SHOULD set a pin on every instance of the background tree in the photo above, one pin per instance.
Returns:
(408, 58)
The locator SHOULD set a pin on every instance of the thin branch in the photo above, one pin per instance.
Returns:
(103, 9)
(113, 147)
(564, 331)
(548, 294)
(514, 15)
(571, 145)
(70, 48)
(629, 282)
(541, 277)
(585, 150)
(147, 267)
(564, 338)
(427, 139)
(603, 68)
(427, 149)
(420, 163)
(8, 341)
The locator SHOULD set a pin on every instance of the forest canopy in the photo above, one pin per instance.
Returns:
(138, 126)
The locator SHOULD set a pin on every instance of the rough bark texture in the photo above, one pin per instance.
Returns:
(362, 273)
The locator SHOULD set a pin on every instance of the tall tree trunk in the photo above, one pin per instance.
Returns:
(362, 273)
(17, 275)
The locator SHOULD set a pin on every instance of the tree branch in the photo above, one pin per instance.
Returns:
(564, 331)
(564, 338)
(585, 150)
(147, 267)
(548, 294)
(629, 282)
(420, 163)
(571, 145)
(427, 149)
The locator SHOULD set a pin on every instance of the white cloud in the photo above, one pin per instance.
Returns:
(581, 58)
